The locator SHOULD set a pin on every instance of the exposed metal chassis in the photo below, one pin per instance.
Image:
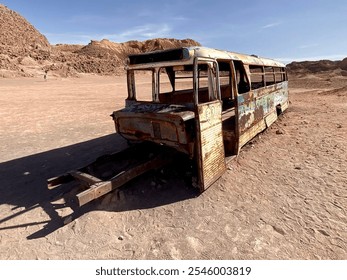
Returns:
(110, 172)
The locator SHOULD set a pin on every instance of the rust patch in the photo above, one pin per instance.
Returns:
(258, 113)
(246, 121)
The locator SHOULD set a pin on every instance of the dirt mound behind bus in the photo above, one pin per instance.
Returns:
(106, 57)
(107, 49)
(339, 67)
(24, 51)
(18, 36)
(20, 44)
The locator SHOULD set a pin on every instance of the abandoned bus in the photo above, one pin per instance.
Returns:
(203, 102)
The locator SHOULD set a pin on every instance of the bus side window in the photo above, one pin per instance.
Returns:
(227, 93)
(257, 76)
(241, 78)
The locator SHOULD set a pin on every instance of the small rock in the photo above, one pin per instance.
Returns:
(278, 131)
(324, 232)
(297, 167)
(339, 125)
(120, 238)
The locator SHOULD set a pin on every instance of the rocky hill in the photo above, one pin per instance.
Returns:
(20, 43)
(24, 51)
(18, 36)
(106, 57)
(321, 66)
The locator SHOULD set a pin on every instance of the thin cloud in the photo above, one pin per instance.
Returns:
(142, 32)
(270, 25)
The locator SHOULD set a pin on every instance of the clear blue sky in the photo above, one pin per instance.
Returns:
(284, 29)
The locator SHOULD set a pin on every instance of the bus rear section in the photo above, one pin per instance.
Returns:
(166, 124)
(177, 105)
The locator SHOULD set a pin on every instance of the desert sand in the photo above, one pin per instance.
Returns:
(284, 197)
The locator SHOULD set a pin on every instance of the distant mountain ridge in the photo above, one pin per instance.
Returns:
(318, 66)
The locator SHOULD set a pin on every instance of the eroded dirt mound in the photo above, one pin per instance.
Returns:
(343, 64)
(67, 47)
(321, 66)
(106, 57)
(314, 66)
(18, 36)
(21, 44)
(163, 44)
(106, 48)
(24, 51)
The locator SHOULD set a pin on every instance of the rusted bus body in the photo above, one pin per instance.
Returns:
(203, 102)
(160, 123)
(259, 107)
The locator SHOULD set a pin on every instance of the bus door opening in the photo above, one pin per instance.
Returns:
(209, 136)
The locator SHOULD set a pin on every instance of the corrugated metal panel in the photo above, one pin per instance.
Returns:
(271, 118)
(211, 148)
(250, 133)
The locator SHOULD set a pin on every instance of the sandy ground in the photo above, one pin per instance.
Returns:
(285, 197)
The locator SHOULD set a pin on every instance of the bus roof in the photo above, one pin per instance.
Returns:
(246, 59)
(189, 53)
